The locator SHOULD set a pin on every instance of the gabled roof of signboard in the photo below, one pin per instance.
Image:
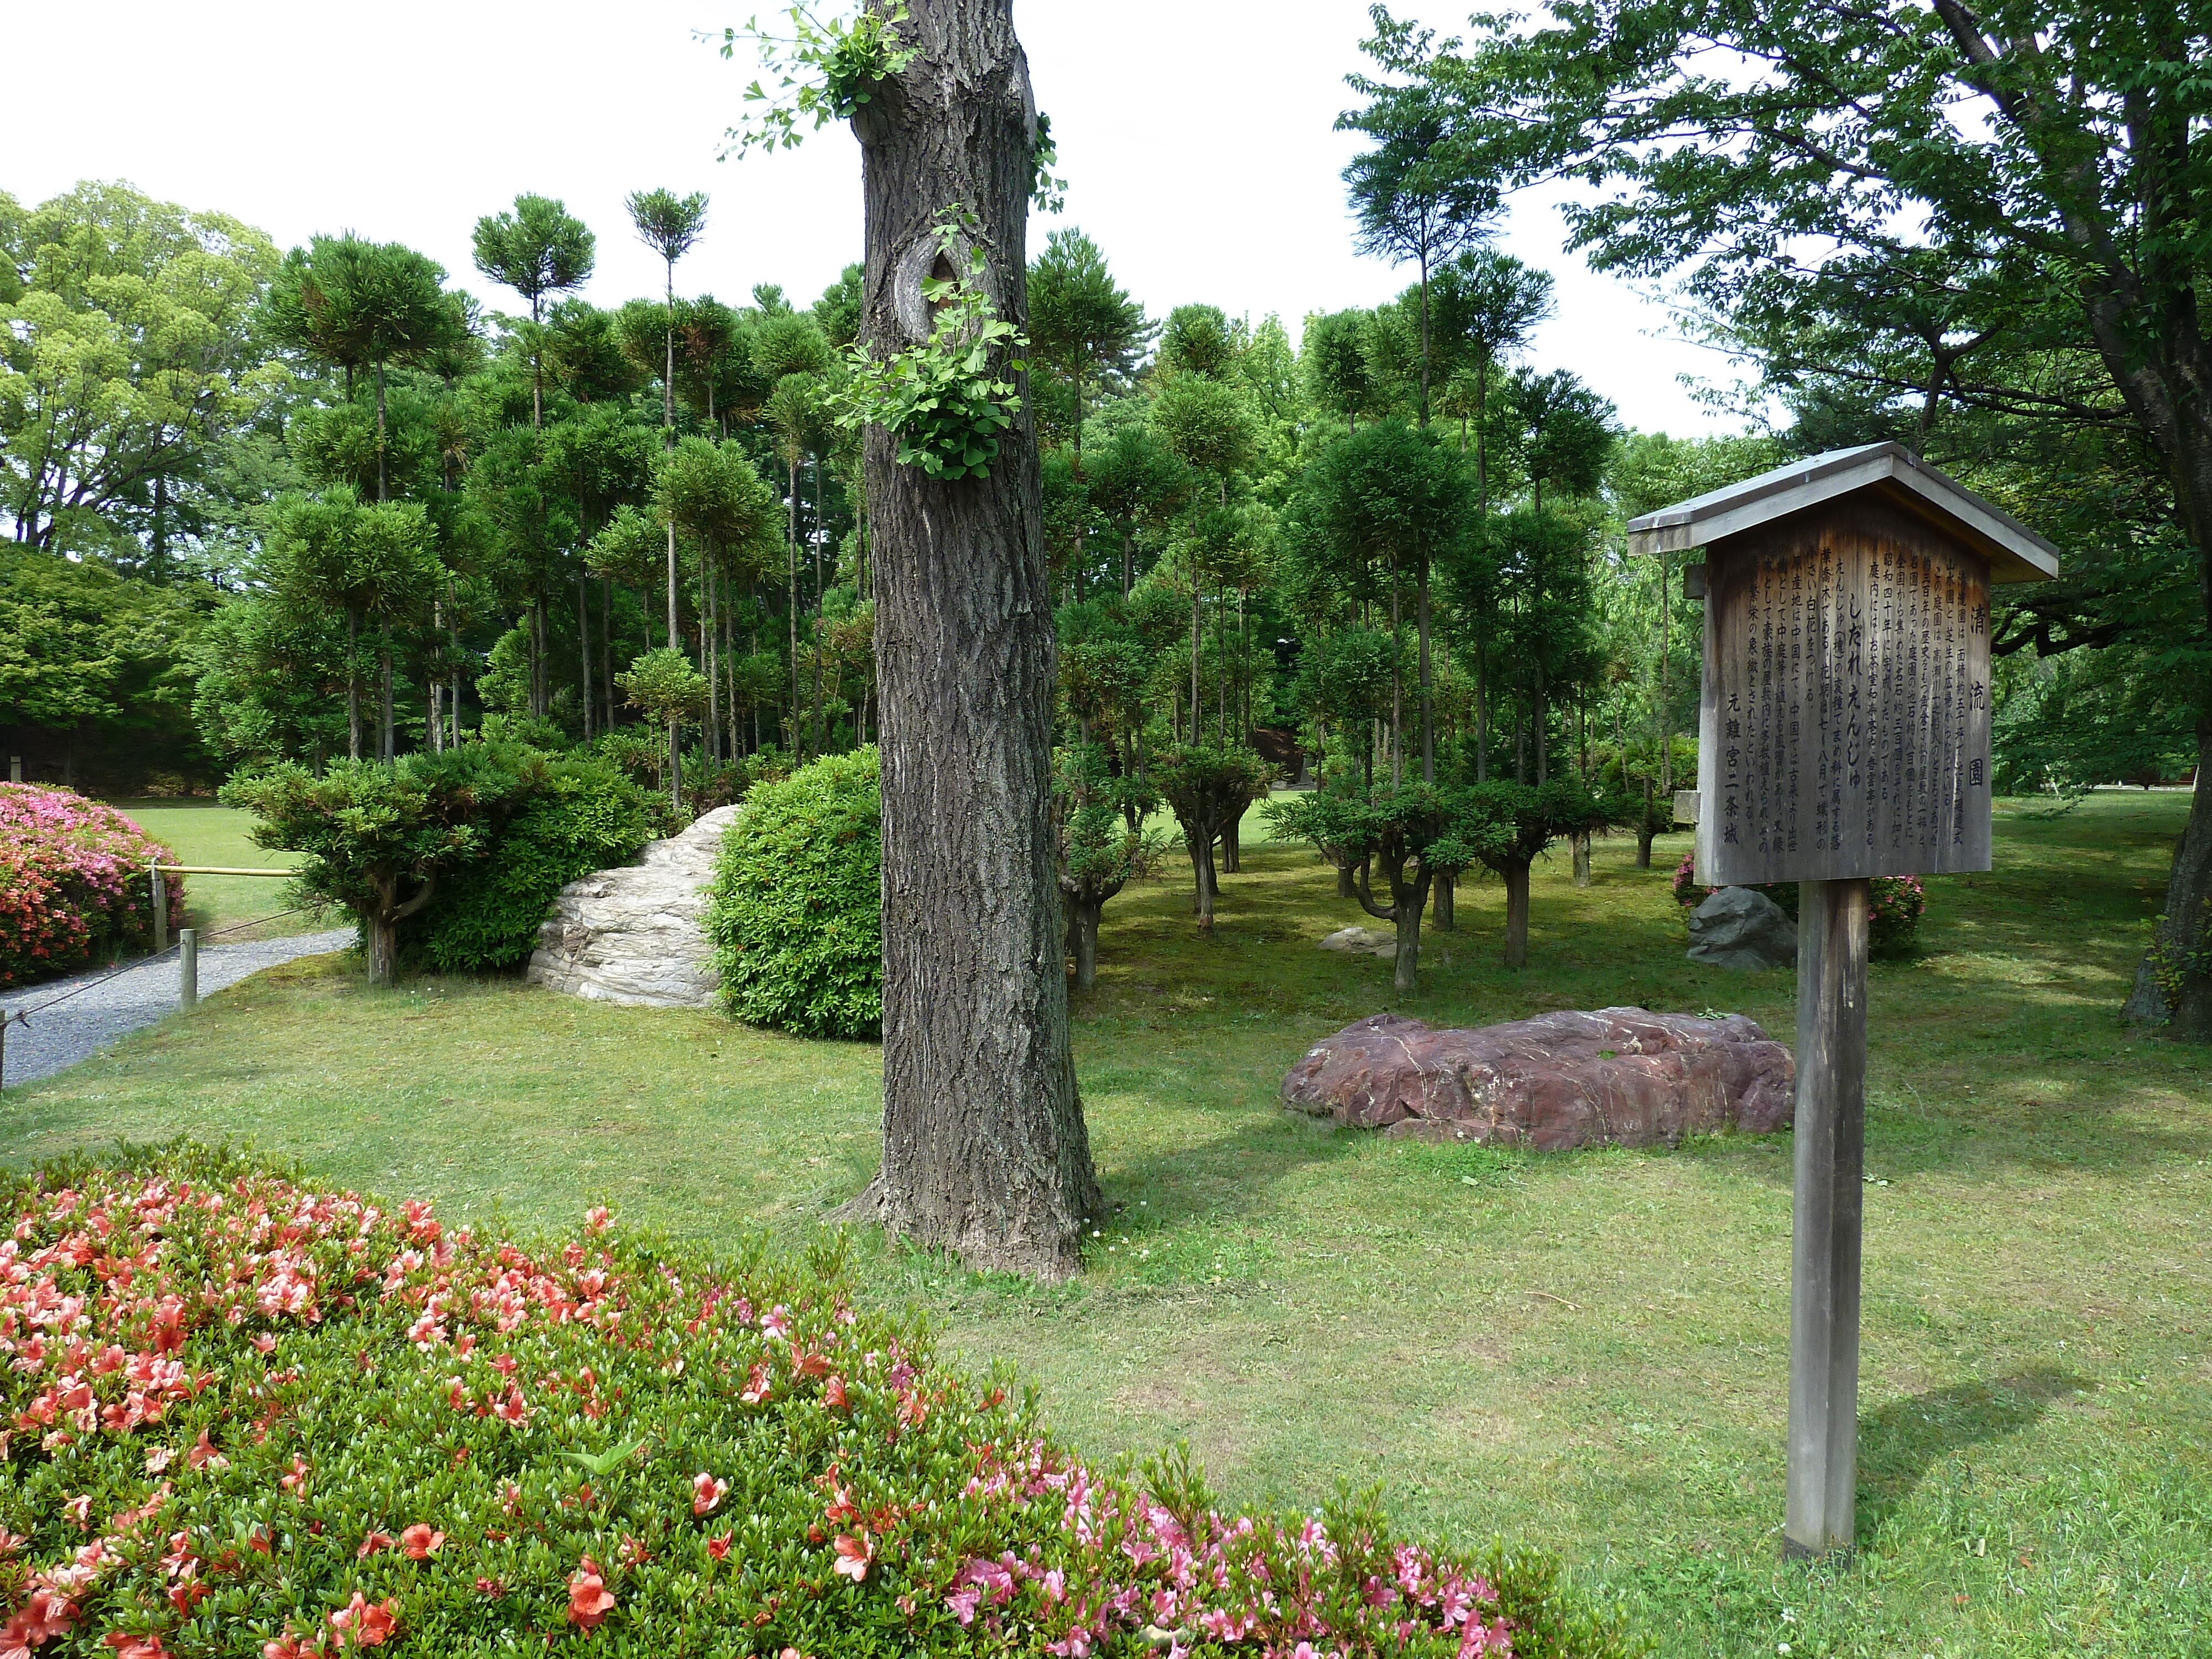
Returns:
(2016, 554)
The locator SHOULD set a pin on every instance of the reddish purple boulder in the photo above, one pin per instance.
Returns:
(1620, 1077)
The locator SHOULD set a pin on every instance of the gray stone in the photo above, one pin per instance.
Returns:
(1362, 942)
(636, 935)
(1737, 927)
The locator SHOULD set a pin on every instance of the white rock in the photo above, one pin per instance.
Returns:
(636, 935)
(1362, 941)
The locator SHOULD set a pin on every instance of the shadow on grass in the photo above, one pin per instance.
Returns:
(1899, 1443)
(1230, 1177)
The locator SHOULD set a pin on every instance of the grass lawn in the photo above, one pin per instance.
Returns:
(203, 832)
(1586, 1351)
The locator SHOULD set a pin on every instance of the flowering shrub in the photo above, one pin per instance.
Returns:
(73, 884)
(243, 1415)
(1898, 903)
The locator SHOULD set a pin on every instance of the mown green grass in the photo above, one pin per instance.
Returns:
(205, 833)
(1587, 1352)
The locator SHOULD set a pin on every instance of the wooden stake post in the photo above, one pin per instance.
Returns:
(1844, 733)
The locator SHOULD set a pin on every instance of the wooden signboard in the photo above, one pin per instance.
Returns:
(1845, 725)
(1844, 733)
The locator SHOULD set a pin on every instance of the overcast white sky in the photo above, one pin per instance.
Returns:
(1195, 136)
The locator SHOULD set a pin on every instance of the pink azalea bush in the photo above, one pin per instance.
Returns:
(241, 1415)
(74, 887)
(1893, 921)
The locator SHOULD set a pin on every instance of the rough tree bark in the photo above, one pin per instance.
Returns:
(985, 1151)
(1516, 914)
(380, 923)
(2184, 928)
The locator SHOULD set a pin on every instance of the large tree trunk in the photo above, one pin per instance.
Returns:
(985, 1151)
(2177, 962)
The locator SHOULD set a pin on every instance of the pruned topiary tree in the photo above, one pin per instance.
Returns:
(1413, 833)
(1209, 788)
(379, 838)
(671, 691)
(1531, 817)
(1102, 845)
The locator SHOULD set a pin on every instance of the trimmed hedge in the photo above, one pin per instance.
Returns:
(73, 884)
(586, 816)
(796, 914)
(247, 1415)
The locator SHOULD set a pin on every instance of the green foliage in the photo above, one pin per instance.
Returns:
(667, 223)
(1531, 816)
(664, 684)
(353, 302)
(1205, 423)
(1101, 847)
(585, 816)
(81, 644)
(381, 838)
(126, 354)
(824, 70)
(796, 911)
(537, 249)
(1199, 339)
(269, 682)
(947, 399)
(1084, 330)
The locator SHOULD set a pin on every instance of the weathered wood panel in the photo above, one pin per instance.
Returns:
(1845, 724)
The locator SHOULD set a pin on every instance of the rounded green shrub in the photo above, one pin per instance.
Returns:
(796, 915)
(585, 816)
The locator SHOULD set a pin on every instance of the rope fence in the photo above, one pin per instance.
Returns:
(186, 948)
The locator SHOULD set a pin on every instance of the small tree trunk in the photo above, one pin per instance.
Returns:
(1581, 844)
(387, 743)
(353, 683)
(1203, 881)
(584, 650)
(383, 938)
(1086, 915)
(1517, 915)
(985, 1149)
(1446, 920)
(1646, 827)
(1428, 690)
(1408, 918)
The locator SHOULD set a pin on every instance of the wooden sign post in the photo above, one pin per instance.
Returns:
(1844, 733)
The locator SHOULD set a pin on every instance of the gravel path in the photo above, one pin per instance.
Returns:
(78, 1029)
